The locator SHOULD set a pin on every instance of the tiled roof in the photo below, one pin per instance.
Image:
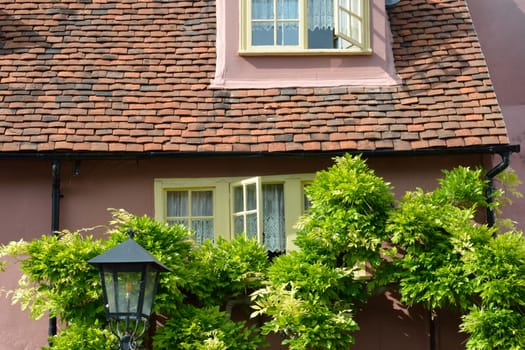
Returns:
(111, 75)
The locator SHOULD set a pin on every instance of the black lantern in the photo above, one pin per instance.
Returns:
(129, 276)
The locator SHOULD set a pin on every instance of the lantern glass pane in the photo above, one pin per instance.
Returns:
(149, 292)
(123, 290)
(109, 283)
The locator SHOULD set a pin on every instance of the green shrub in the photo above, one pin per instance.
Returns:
(226, 269)
(207, 328)
(83, 337)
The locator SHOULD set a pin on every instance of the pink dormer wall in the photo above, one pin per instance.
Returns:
(236, 71)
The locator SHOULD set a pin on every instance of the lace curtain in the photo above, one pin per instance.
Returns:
(320, 12)
(273, 218)
(178, 205)
(195, 209)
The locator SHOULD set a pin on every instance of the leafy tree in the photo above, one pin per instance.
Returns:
(428, 246)
(312, 295)
(497, 270)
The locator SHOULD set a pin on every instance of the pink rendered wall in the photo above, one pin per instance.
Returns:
(234, 71)
(25, 212)
(501, 26)
(25, 207)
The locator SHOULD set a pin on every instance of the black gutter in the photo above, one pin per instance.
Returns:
(55, 226)
(69, 155)
(491, 174)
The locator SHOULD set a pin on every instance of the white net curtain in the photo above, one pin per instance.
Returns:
(320, 12)
(274, 237)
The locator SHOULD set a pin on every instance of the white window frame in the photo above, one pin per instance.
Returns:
(223, 202)
(362, 46)
(245, 212)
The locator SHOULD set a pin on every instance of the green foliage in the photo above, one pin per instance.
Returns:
(494, 328)
(429, 238)
(311, 295)
(431, 232)
(507, 183)
(462, 187)
(307, 323)
(214, 273)
(206, 328)
(309, 303)
(497, 270)
(227, 269)
(83, 336)
(346, 221)
(327, 283)
(75, 293)
(428, 246)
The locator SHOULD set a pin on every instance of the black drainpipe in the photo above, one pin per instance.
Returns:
(490, 186)
(55, 226)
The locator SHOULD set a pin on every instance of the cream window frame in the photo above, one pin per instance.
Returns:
(190, 217)
(358, 48)
(222, 202)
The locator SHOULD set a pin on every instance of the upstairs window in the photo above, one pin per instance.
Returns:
(304, 26)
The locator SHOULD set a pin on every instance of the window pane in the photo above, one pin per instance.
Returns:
(262, 9)
(238, 199)
(355, 6)
(251, 225)
(288, 33)
(177, 203)
(320, 24)
(203, 229)
(202, 203)
(320, 14)
(321, 39)
(238, 224)
(307, 203)
(251, 197)
(262, 33)
(288, 9)
(350, 14)
(274, 235)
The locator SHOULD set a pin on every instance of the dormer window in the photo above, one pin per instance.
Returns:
(304, 26)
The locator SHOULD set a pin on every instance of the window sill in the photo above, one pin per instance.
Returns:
(318, 52)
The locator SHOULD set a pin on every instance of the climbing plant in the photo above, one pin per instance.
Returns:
(193, 288)
(430, 246)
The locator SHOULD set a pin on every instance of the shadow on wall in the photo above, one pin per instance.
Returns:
(386, 324)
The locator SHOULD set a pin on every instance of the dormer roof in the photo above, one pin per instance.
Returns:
(134, 76)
